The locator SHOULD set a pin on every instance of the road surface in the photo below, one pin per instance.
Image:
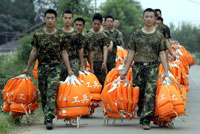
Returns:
(95, 125)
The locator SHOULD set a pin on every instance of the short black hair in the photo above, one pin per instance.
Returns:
(149, 10)
(97, 16)
(160, 18)
(80, 19)
(109, 16)
(157, 10)
(117, 19)
(67, 12)
(52, 11)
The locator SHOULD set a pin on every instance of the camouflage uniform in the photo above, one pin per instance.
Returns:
(96, 42)
(115, 37)
(145, 69)
(49, 56)
(164, 29)
(76, 44)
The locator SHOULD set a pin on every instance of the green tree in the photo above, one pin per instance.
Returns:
(15, 16)
(129, 12)
(188, 36)
(78, 7)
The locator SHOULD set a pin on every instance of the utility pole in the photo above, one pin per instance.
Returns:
(95, 2)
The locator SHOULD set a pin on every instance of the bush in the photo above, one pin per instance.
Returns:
(6, 123)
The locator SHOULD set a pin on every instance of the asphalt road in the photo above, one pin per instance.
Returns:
(95, 125)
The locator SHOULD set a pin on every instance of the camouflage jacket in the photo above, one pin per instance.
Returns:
(147, 46)
(75, 42)
(49, 46)
(115, 37)
(96, 41)
(164, 29)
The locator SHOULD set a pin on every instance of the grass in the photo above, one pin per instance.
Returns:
(7, 124)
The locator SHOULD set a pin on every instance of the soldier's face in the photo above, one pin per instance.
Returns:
(79, 25)
(116, 23)
(67, 19)
(109, 22)
(159, 14)
(149, 19)
(159, 22)
(50, 20)
(96, 25)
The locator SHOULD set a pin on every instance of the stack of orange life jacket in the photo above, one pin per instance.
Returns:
(73, 99)
(20, 96)
(94, 86)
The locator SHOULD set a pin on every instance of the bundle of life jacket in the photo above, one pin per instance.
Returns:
(119, 97)
(94, 87)
(170, 100)
(20, 96)
(73, 99)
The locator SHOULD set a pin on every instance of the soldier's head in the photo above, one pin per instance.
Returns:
(159, 21)
(50, 18)
(79, 24)
(158, 12)
(67, 18)
(97, 21)
(116, 23)
(109, 21)
(104, 22)
(149, 17)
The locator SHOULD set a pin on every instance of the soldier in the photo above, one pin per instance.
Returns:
(166, 32)
(49, 45)
(98, 43)
(75, 49)
(145, 47)
(79, 24)
(115, 41)
(116, 25)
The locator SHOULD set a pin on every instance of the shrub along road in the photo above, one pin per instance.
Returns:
(95, 125)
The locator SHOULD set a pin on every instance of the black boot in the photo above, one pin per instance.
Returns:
(49, 124)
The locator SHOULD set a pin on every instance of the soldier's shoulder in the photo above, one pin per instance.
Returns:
(39, 32)
(159, 34)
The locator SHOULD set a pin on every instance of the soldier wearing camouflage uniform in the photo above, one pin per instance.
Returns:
(164, 29)
(116, 25)
(49, 45)
(79, 24)
(115, 41)
(146, 46)
(97, 46)
(75, 49)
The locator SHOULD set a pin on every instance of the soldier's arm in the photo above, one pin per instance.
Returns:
(32, 57)
(111, 46)
(170, 48)
(66, 61)
(105, 54)
(91, 60)
(129, 60)
(164, 61)
(81, 58)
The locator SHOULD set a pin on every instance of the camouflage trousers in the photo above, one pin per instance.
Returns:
(100, 73)
(111, 61)
(48, 79)
(145, 77)
(75, 67)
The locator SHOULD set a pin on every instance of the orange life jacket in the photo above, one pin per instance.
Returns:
(20, 96)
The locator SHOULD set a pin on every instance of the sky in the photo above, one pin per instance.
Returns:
(173, 11)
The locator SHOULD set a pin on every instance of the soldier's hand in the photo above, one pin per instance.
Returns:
(122, 74)
(81, 69)
(71, 73)
(166, 74)
(92, 71)
(26, 71)
(103, 65)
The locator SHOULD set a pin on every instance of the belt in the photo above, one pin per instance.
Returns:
(49, 65)
(73, 57)
(146, 63)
